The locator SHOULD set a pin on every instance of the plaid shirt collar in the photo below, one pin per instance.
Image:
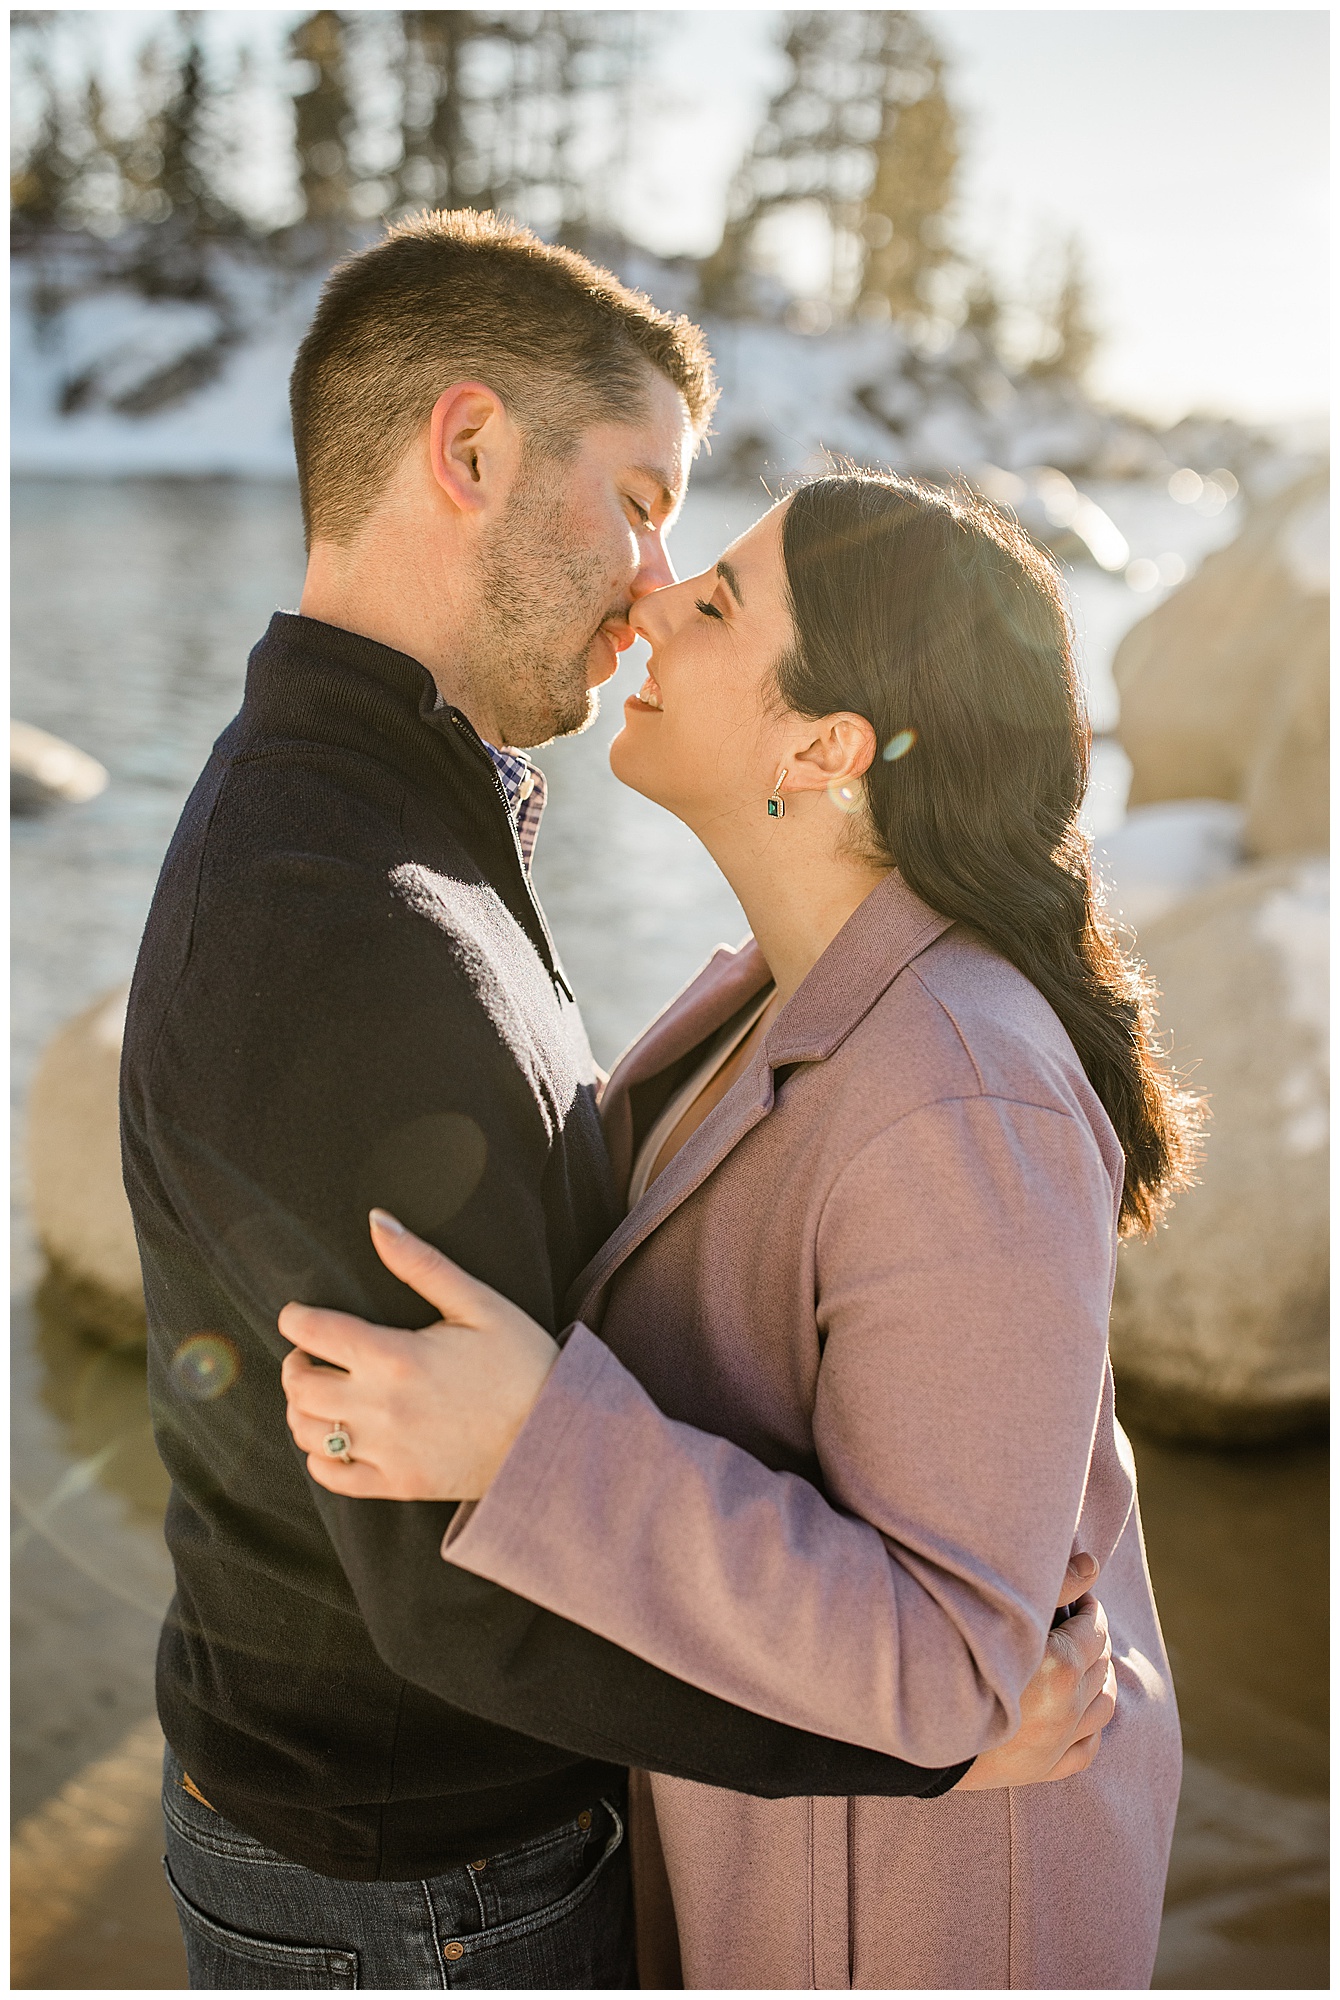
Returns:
(524, 784)
(526, 789)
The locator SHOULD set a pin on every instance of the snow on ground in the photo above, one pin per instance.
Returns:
(107, 381)
(109, 342)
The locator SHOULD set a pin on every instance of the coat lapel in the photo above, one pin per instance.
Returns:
(878, 941)
(749, 1100)
(729, 978)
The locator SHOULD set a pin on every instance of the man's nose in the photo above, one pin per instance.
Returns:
(655, 569)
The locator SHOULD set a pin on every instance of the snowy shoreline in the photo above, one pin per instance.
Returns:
(110, 382)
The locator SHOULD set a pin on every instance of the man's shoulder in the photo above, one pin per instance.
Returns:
(287, 874)
(273, 790)
(314, 815)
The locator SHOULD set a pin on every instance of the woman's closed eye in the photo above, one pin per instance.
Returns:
(708, 610)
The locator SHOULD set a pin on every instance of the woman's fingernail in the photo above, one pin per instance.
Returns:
(380, 1219)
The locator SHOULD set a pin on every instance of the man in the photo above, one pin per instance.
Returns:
(381, 1771)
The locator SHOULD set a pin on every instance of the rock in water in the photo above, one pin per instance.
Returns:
(1219, 1323)
(45, 771)
(1224, 686)
(79, 1205)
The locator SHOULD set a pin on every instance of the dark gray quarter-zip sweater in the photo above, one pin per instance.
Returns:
(347, 995)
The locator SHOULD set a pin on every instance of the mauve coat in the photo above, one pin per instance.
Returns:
(834, 1414)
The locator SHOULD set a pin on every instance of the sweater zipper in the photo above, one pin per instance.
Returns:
(471, 735)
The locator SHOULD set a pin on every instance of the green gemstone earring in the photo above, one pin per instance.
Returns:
(777, 804)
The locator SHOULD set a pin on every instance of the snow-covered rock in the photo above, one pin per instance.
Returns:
(46, 771)
(1160, 855)
(79, 1206)
(1219, 1324)
(1224, 685)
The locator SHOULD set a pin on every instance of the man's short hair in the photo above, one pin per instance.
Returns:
(455, 294)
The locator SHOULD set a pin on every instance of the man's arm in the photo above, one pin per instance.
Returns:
(324, 1053)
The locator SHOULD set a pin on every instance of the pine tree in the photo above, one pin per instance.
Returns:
(495, 109)
(44, 180)
(983, 310)
(432, 127)
(179, 143)
(862, 127)
(916, 158)
(595, 61)
(1070, 337)
(812, 145)
(323, 120)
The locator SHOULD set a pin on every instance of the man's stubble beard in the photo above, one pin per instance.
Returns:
(537, 585)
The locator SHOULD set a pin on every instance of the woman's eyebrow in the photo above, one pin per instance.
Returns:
(726, 571)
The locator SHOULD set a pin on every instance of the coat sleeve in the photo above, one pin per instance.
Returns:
(270, 1129)
(964, 1263)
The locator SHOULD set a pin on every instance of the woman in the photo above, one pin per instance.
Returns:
(836, 1407)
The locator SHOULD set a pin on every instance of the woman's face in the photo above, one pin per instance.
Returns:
(707, 734)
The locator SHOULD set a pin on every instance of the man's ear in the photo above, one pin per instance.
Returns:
(839, 750)
(472, 446)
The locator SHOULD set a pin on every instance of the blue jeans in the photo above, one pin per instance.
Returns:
(554, 1912)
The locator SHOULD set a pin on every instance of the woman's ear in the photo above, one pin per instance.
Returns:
(472, 447)
(840, 749)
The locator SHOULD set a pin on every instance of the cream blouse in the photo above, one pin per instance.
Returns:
(719, 1053)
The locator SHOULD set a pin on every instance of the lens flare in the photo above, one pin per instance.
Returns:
(1186, 486)
(1142, 574)
(899, 745)
(848, 798)
(206, 1366)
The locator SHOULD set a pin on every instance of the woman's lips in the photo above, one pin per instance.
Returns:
(648, 696)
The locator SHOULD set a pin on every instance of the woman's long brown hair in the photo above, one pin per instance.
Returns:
(939, 620)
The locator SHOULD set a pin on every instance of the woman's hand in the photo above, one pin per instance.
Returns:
(428, 1415)
(1066, 1706)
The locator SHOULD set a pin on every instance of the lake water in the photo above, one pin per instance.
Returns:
(134, 607)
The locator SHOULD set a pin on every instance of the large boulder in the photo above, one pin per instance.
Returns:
(46, 771)
(1224, 686)
(1219, 1324)
(79, 1206)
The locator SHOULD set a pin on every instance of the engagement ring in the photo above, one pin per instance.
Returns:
(338, 1445)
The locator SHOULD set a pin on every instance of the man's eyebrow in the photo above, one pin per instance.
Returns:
(670, 493)
(727, 572)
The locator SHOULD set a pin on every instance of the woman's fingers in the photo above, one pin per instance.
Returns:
(430, 1415)
(1103, 1706)
(1076, 1759)
(459, 1298)
(1085, 1634)
(358, 1481)
(1089, 1734)
(1080, 1575)
(307, 1386)
(1094, 1678)
(310, 1433)
(338, 1337)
